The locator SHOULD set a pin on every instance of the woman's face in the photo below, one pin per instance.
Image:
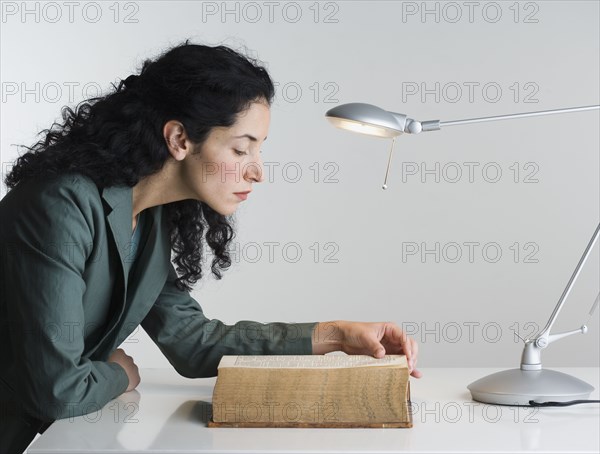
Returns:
(229, 160)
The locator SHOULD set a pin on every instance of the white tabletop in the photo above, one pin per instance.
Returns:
(168, 413)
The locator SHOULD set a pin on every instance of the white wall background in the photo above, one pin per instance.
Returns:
(540, 214)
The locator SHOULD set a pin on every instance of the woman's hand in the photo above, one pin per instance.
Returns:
(366, 338)
(126, 362)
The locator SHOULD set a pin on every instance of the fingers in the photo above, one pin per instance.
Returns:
(399, 337)
(133, 373)
(409, 346)
(414, 359)
(128, 364)
(379, 338)
(416, 373)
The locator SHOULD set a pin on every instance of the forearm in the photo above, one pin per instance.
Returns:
(194, 344)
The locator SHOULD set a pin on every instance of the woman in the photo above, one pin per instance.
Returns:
(95, 210)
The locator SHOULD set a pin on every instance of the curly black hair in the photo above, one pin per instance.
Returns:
(117, 139)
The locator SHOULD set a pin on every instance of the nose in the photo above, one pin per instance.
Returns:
(255, 171)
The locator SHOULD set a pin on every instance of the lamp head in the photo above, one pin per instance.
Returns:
(371, 120)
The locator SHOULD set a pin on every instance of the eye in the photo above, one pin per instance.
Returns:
(239, 152)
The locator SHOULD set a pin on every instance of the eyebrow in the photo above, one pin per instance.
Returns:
(252, 138)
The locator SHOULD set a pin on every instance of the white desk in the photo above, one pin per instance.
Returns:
(168, 413)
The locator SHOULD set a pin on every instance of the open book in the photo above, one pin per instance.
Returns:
(312, 391)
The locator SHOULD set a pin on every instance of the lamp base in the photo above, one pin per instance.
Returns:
(518, 387)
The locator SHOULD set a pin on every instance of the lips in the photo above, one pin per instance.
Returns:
(243, 193)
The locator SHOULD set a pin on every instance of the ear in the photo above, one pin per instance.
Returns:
(177, 140)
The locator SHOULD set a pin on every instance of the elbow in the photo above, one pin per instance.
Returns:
(198, 366)
(202, 370)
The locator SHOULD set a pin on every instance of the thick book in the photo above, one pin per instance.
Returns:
(312, 391)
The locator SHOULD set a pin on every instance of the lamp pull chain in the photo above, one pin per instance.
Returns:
(387, 171)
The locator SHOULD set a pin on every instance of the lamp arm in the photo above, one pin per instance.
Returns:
(521, 115)
(436, 125)
(554, 337)
(544, 338)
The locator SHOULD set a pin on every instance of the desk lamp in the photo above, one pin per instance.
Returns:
(529, 384)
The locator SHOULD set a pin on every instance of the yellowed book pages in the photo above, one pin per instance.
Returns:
(312, 391)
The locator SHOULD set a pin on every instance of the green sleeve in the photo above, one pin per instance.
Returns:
(194, 344)
(44, 254)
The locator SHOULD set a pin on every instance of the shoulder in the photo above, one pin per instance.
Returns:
(74, 183)
(50, 200)
(74, 186)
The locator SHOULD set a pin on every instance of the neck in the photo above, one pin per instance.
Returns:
(165, 186)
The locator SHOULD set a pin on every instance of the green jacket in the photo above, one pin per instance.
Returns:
(67, 300)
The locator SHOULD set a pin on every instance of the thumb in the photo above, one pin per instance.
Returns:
(377, 350)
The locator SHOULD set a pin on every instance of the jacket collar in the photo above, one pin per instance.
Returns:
(117, 195)
(120, 199)
(157, 245)
(142, 287)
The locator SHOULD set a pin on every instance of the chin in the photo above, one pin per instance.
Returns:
(225, 211)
